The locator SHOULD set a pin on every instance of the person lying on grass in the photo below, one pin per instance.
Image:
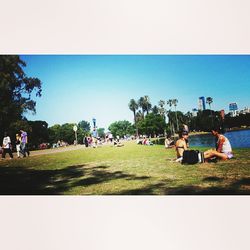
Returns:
(223, 147)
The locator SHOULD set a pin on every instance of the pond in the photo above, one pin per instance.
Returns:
(238, 139)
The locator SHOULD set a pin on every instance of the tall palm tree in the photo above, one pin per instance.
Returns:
(174, 102)
(209, 101)
(162, 109)
(170, 103)
(155, 110)
(147, 103)
(162, 112)
(141, 104)
(133, 106)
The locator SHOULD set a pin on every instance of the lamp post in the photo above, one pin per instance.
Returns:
(75, 129)
(94, 122)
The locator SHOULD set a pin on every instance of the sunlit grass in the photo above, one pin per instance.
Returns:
(132, 169)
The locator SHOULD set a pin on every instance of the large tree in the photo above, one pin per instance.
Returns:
(153, 124)
(16, 91)
(121, 128)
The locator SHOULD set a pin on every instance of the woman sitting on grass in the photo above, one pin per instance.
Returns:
(181, 145)
(223, 147)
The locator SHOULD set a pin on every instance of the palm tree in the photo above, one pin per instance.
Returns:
(155, 110)
(141, 104)
(162, 109)
(144, 104)
(148, 105)
(133, 106)
(139, 116)
(170, 103)
(209, 101)
(175, 101)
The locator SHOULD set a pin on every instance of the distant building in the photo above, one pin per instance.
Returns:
(194, 112)
(201, 103)
(245, 111)
(233, 109)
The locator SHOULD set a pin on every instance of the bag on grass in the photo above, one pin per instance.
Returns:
(192, 157)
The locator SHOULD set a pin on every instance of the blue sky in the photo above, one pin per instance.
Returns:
(80, 87)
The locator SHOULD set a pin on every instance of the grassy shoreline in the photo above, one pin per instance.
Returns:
(129, 170)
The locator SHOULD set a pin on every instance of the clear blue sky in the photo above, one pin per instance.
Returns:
(81, 87)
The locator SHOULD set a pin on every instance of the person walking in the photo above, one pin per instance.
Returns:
(18, 145)
(24, 143)
(6, 146)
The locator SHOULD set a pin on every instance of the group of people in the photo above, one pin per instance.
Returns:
(21, 143)
(222, 151)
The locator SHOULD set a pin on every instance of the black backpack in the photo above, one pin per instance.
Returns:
(190, 157)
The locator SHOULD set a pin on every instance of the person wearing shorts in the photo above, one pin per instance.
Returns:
(223, 147)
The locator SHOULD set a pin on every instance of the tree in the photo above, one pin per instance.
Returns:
(175, 101)
(170, 103)
(153, 124)
(209, 100)
(16, 91)
(139, 116)
(85, 126)
(148, 105)
(121, 128)
(155, 110)
(101, 132)
(162, 109)
(133, 106)
(144, 104)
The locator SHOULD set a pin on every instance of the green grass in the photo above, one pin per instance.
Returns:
(132, 169)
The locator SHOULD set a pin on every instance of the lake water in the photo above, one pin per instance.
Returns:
(238, 139)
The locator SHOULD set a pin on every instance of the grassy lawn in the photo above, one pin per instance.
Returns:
(132, 169)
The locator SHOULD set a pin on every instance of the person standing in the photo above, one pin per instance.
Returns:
(6, 146)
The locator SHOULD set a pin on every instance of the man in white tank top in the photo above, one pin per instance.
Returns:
(223, 149)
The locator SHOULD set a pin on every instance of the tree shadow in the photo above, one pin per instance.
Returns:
(28, 181)
(163, 188)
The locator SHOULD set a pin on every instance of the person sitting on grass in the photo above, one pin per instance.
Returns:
(181, 145)
(169, 143)
(223, 147)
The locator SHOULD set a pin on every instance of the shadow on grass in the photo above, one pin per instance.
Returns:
(162, 188)
(27, 181)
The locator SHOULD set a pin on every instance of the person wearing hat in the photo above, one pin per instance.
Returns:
(181, 145)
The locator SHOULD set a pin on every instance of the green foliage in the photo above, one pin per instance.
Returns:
(62, 132)
(238, 121)
(85, 126)
(101, 132)
(153, 124)
(122, 128)
(16, 90)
